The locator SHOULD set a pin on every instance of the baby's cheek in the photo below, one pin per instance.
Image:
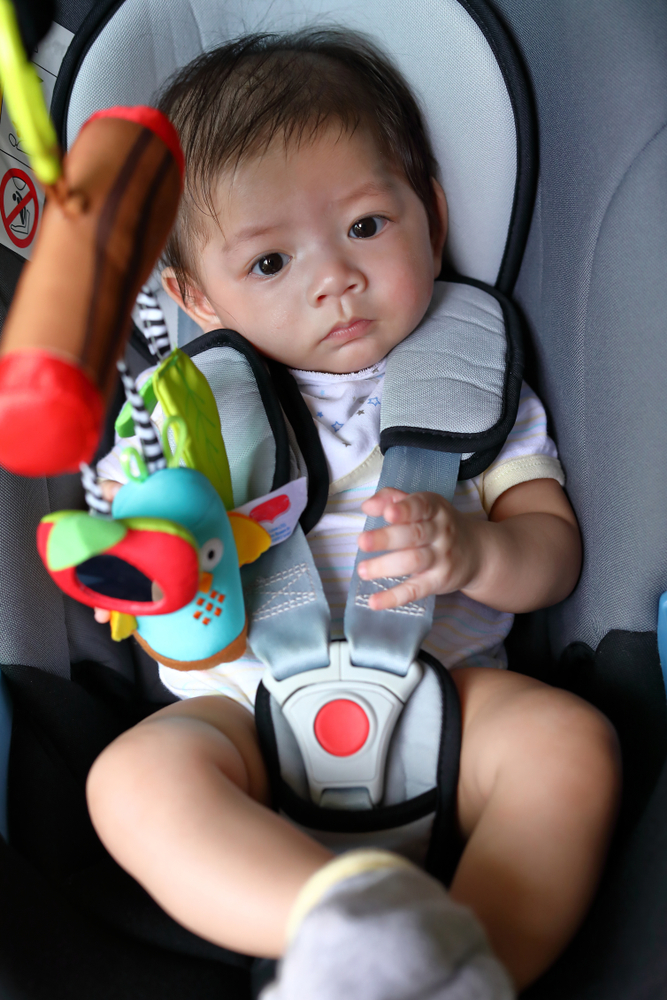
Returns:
(409, 292)
(265, 325)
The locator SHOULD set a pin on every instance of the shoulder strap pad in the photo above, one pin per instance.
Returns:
(453, 385)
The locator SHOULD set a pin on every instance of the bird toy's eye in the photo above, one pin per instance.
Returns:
(210, 553)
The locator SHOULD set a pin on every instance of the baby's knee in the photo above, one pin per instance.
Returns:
(574, 748)
(166, 756)
(531, 743)
(122, 776)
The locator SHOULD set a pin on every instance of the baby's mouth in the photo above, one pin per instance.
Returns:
(350, 330)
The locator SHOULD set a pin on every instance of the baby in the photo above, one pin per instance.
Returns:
(313, 223)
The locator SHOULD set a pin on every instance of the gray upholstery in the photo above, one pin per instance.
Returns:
(32, 620)
(251, 449)
(39, 625)
(593, 288)
(438, 46)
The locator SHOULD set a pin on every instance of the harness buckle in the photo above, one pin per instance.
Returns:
(343, 718)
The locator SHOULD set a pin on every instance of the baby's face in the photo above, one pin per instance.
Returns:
(322, 257)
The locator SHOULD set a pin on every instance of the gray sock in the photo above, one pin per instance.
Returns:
(389, 934)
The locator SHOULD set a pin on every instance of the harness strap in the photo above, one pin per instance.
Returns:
(289, 614)
(390, 640)
(317, 684)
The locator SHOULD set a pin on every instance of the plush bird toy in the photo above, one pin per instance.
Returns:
(164, 558)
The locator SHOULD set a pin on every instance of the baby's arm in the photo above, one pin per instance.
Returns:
(526, 556)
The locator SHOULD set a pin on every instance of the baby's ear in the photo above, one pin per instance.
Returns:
(190, 299)
(438, 239)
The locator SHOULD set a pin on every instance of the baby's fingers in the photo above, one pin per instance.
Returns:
(109, 488)
(398, 536)
(413, 589)
(376, 504)
(403, 508)
(395, 564)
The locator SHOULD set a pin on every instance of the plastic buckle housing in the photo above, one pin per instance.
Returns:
(343, 718)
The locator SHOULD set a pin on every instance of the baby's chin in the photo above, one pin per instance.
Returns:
(352, 357)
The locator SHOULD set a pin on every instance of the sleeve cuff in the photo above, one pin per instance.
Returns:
(519, 470)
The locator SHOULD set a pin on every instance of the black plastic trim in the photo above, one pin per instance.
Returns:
(527, 148)
(11, 266)
(356, 821)
(274, 413)
(445, 846)
(34, 20)
(308, 440)
(485, 445)
(100, 14)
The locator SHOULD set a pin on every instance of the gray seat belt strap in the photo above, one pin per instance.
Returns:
(390, 640)
(288, 614)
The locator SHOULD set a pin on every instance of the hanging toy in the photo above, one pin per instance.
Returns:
(153, 324)
(109, 209)
(165, 558)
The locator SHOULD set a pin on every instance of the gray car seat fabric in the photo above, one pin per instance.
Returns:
(39, 626)
(592, 288)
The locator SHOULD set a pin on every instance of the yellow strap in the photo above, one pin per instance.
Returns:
(25, 100)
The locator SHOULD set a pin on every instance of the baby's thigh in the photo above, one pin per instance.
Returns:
(530, 746)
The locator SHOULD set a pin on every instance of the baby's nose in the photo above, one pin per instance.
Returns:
(336, 276)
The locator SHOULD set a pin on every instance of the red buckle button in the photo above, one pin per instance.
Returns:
(341, 727)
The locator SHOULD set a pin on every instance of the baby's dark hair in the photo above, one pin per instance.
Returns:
(231, 103)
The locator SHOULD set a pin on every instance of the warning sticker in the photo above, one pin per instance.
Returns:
(19, 207)
(21, 197)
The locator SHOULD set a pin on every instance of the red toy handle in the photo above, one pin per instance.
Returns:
(101, 234)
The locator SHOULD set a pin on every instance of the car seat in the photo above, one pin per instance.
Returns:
(591, 286)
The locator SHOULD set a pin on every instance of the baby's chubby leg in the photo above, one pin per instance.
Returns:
(537, 799)
(179, 801)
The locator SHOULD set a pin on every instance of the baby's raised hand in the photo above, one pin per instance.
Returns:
(427, 540)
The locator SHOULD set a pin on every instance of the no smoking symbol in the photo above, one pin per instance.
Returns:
(19, 207)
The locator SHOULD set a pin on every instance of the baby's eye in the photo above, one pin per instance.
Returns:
(369, 226)
(269, 264)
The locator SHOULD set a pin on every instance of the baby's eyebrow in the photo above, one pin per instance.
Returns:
(254, 231)
(368, 190)
(248, 233)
